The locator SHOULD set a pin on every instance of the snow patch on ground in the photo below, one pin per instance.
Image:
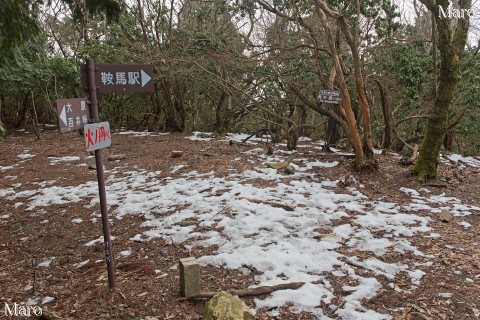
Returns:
(125, 253)
(25, 155)
(465, 224)
(319, 242)
(4, 168)
(457, 158)
(200, 136)
(46, 263)
(177, 167)
(58, 194)
(47, 299)
(437, 203)
(81, 264)
(240, 137)
(5, 192)
(143, 133)
(98, 240)
(281, 245)
(55, 160)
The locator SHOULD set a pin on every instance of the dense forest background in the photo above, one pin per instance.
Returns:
(244, 66)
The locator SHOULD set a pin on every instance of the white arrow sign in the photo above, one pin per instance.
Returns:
(145, 78)
(63, 116)
(73, 114)
(113, 78)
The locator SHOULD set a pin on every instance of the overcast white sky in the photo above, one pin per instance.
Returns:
(407, 12)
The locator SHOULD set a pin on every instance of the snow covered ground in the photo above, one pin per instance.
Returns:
(321, 239)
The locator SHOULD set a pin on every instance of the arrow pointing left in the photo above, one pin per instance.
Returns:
(63, 116)
(73, 114)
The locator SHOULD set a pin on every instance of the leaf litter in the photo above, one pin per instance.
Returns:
(343, 264)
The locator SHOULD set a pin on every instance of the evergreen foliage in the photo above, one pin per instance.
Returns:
(231, 66)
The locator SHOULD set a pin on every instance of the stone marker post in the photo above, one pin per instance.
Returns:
(189, 277)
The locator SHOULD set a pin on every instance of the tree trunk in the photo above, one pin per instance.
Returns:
(332, 132)
(388, 134)
(451, 46)
(180, 110)
(332, 129)
(291, 133)
(157, 103)
(366, 123)
(174, 111)
(220, 114)
(428, 158)
(354, 136)
(448, 142)
(3, 129)
(21, 119)
(292, 138)
(302, 119)
(367, 144)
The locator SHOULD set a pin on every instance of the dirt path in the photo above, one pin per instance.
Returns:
(44, 256)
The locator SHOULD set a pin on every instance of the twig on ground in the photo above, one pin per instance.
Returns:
(330, 313)
(284, 206)
(50, 315)
(420, 315)
(249, 292)
(342, 155)
(354, 264)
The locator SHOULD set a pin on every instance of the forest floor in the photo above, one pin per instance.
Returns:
(369, 245)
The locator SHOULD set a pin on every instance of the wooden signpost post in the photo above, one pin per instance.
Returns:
(74, 114)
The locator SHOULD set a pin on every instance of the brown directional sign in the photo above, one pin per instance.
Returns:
(330, 96)
(121, 77)
(73, 114)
